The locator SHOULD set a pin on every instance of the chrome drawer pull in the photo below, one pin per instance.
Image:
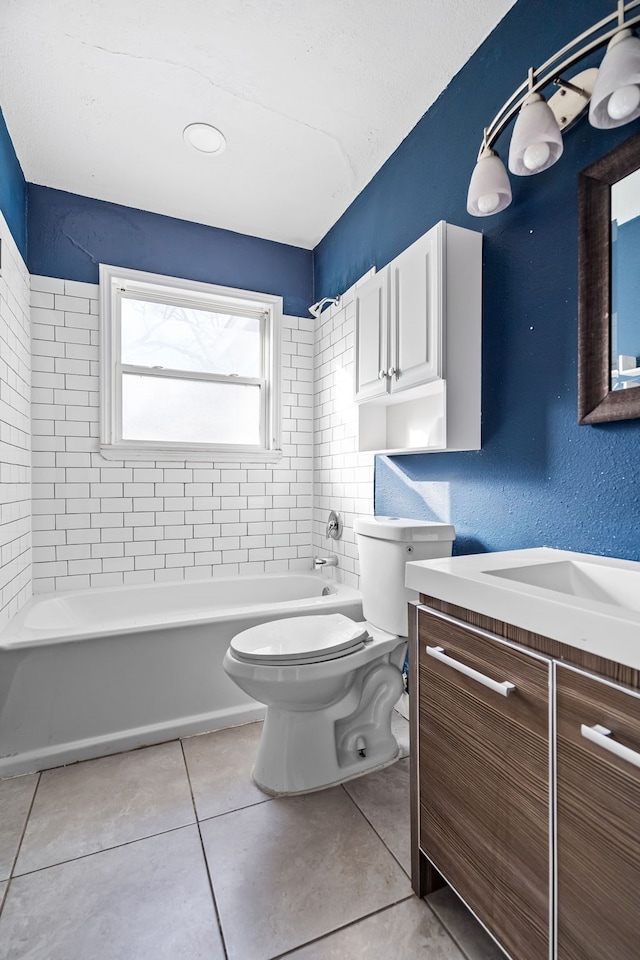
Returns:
(504, 688)
(602, 737)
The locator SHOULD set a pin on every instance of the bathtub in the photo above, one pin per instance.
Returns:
(90, 672)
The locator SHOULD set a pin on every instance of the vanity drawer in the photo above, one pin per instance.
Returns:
(598, 818)
(484, 760)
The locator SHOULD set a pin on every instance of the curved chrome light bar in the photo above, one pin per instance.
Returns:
(551, 70)
(566, 106)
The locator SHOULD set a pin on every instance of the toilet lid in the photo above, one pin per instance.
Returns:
(300, 639)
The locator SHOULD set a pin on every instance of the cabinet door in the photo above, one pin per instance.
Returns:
(372, 334)
(417, 308)
(484, 761)
(598, 819)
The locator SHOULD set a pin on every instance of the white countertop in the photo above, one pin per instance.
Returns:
(585, 601)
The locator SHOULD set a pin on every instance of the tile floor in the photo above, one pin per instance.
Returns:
(171, 853)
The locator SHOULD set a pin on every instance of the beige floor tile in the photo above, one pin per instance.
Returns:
(148, 900)
(220, 767)
(463, 926)
(407, 931)
(400, 730)
(98, 804)
(15, 799)
(383, 797)
(290, 870)
(3, 887)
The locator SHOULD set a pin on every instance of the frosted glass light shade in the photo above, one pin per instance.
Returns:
(489, 189)
(536, 142)
(615, 101)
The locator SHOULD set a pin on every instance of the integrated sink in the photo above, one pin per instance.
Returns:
(585, 601)
(593, 581)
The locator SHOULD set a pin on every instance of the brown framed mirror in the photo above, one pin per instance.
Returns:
(609, 286)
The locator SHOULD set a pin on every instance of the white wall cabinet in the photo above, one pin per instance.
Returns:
(372, 337)
(418, 347)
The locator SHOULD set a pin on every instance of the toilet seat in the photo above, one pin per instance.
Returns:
(299, 640)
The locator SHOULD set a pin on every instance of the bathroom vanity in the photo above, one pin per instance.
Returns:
(525, 793)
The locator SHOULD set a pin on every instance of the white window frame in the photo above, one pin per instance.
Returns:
(116, 283)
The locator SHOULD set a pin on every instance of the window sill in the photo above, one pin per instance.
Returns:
(114, 451)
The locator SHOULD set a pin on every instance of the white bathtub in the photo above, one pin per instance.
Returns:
(92, 672)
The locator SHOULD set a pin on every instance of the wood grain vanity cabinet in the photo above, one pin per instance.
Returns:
(525, 785)
(598, 818)
(484, 778)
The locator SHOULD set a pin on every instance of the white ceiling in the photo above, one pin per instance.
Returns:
(312, 95)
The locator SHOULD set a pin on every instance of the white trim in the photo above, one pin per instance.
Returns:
(114, 281)
(122, 451)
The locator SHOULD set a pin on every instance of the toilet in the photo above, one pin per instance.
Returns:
(329, 683)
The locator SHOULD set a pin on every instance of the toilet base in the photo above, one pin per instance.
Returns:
(326, 786)
(301, 751)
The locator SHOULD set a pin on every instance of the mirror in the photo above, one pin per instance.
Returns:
(625, 282)
(609, 286)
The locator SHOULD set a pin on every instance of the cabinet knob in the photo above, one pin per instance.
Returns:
(382, 375)
(391, 372)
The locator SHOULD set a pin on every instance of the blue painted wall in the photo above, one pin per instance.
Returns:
(70, 235)
(539, 478)
(13, 190)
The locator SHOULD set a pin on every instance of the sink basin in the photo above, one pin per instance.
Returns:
(583, 600)
(593, 581)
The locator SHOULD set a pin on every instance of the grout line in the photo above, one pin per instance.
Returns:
(204, 855)
(93, 853)
(24, 830)
(378, 835)
(345, 926)
(3, 899)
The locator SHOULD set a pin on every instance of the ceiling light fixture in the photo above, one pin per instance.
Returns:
(204, 137)
(536, 142)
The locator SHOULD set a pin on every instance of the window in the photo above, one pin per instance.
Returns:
(188, 370)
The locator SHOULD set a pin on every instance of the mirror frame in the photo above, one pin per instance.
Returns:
(597, 402)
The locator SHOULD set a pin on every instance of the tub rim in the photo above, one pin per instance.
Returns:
(15, 636)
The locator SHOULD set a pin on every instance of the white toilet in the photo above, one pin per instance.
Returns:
(330, 684)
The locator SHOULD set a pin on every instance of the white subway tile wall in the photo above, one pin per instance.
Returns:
(15, 446)
(99, 522)
(343, 478)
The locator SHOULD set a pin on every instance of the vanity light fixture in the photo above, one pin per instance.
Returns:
(205, 138)
(489, 190)
(536, 142)
(616, 96)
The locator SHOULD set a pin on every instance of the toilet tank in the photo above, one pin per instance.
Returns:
(385, 544)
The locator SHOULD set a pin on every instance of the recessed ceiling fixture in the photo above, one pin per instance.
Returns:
(536, 143)
(204, 137)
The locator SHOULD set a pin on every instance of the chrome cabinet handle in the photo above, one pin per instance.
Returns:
(504, 688)
(382, 375)
(391, 372)
(602, 738)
